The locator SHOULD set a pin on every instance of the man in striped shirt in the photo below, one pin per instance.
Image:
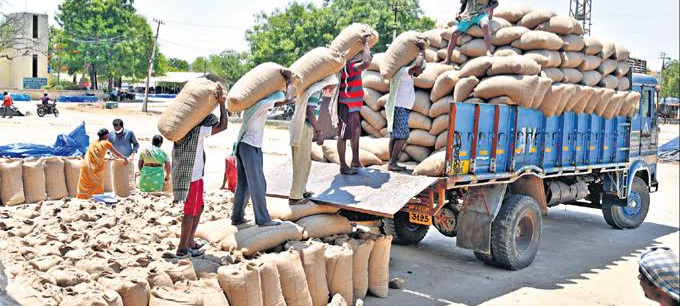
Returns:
(350, 100)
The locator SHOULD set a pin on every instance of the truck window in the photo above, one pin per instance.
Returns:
(645, 103)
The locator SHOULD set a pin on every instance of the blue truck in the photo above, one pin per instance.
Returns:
(505, 166)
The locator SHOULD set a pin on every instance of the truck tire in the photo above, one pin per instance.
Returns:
(630, 212)
(516, 232)
(402, 230)
(487, 259)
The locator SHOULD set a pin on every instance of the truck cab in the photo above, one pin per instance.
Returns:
(644, 130)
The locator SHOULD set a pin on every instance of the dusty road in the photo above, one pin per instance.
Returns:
(581, 260)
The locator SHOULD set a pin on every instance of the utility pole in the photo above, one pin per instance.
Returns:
(663, 56)
(395, 8)
(152, 57)
(581, 11)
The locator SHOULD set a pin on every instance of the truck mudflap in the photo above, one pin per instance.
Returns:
(480, 207)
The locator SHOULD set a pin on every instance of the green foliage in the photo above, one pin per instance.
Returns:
(670, 80)
(229, 65)
(283, 36)
(176, 64)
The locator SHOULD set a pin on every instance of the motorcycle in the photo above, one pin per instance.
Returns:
(47, 109)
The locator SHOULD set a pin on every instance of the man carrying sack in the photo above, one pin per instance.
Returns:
(188, 168)
(304, 128)
(249, 160)
(399, 105)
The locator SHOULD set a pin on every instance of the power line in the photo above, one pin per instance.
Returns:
(205, 26)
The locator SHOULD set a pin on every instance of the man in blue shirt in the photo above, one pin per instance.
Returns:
(125, 142)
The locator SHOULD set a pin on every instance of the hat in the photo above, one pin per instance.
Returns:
(661, 266)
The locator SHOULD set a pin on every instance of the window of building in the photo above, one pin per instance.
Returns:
(35, 65)
(35, 26)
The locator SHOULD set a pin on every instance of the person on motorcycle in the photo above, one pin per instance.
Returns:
(46, 101)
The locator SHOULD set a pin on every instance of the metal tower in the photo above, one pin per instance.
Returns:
(580, 10)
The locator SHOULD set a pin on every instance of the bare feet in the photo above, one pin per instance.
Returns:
(348, 170)
(270, 223)
(395, 167)
(356, 165)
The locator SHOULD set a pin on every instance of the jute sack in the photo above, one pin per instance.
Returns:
(33, 175)
(162, 296)
(338, 300)
(555, 74)
(375, 81)
(608, 50)
(431, 55)
(594, 100)
(591, 78)
(292, 274)
(45, 263)
(319, 226)
(241, 284)
(475, 48)
(464, 88)
(520, 88)
(180, 271)
(442, 140)
(541, 89)
(436, 39)
(566, 97)
(401, 52)
(429, 76)
(507, 51)
(561, 25)
(572, 75)
(590, 62)
(624, 84)
(378, 146)
(573, 43)
(622, 53)
(283, 211)
(379, 266)
(607, 67)
(87, 297)
(373, 117)
(11, 182)
(215, 231)
(270, 282)
(55, 181)
(552, 99)
(421, 138)
(571, 59)
(538, 40)
(502, 100)
(133, 291)
(158, 278)
(338, 276)
(609, 82)
(317, 151)
(383, 100)
(439, 125)
(577, 27)
(314, 264)
(330, 153)
(506, 36)
(592, 46)
(432, 166)
(255, 239)
(581, 104)
(629, 103)
(444, 84)
(108, 175)
(575, 98)
(456, 56)
(375, 63)
(422, 103)
(315, 66)
(516, 64)
(371, 99)
(67, 276)
(622, 69)
(121, 177)
(441, 107)
(418, 153)
(476, 67)
(615, 105)
(545, 58)
(510, 13)
(361, 254)
(196, 101)
(534, 18)
(495, 24)
(367, 127)
(462, 39)
(604, 101)
(349, 39)
(419, 121)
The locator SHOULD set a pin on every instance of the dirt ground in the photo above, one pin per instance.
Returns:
(581, 260)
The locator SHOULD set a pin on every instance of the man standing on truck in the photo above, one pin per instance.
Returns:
(399, 105)
(472, 12)
(350, 100)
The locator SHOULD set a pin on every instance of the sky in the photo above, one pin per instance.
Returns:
(203, 27)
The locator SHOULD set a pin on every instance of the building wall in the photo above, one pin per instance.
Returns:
(12, 73)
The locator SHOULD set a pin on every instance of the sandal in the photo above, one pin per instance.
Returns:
(189, 252)
(239, 222)
(297, 202)
(307, 194)
(197, 245)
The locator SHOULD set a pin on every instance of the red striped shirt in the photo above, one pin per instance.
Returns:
(351, 87)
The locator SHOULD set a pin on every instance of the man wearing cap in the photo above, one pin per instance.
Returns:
(660, 276)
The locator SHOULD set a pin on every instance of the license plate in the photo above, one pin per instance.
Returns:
(418, 218)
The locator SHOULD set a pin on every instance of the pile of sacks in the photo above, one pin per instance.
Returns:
(33, 180)
(540, 61)
(84, 253)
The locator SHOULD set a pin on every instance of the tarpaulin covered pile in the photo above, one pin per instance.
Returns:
(73, 144)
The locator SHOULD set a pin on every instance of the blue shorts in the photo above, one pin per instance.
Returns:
(400, 128)
(465, 23)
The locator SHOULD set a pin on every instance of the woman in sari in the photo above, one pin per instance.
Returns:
(154, 167)
(91, 180)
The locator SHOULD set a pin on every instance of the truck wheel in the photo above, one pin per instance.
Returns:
(446, 221)
(487, 259)
(516, 232)
(402, 230)
(628, 213)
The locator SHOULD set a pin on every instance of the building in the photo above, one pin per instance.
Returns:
(27, 68)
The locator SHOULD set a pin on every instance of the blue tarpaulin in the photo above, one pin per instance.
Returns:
(17, 96)
(670, 151)
(73, 144)
(77, 99)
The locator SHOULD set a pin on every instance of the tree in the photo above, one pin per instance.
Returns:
(285, 35)
(176, 64)
(670, 80)
(229, 65)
